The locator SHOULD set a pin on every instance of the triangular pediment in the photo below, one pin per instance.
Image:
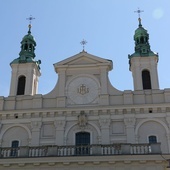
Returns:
(83, 58)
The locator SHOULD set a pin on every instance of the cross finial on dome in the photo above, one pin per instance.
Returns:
(139, 11)
(139, 19)
(29, 26)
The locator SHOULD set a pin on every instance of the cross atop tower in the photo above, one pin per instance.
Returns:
(139, 19)
(29, 26)
(139, 11)
(30, 18)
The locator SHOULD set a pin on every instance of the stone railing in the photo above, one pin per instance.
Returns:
(83, 150)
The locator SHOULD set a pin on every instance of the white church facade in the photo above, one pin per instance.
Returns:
(84, 122)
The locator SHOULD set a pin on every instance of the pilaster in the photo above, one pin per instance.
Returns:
(104, 80)
(168, 135)
(154, 74)
(60, 127)
(36, 127)
(105, 129)
(62, 80)
(130, 129)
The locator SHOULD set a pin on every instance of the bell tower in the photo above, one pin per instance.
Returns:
(25, 69)
(143, 62)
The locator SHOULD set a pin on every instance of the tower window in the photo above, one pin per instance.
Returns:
(142, 40)
(137, 41)
(21, 85)
(14, 148)
(30, 47)
(152, 139)
(146, 79)
(26, 47)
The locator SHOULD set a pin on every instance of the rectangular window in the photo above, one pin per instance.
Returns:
(152, 139)
(14, 148)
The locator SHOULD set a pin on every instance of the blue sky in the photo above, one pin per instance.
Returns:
(107, 25)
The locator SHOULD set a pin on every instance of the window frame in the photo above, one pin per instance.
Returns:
(152, 135)
(146, 79)
(21, 85)
(14, 149)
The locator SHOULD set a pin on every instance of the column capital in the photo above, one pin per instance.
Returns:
(59, 124)
(104, 123)
(130, 122)
(36, 125)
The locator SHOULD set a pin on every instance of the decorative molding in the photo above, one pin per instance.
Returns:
(82, 120)
(104, 123)
(82, 89)
(168, 121)
(130, 122)
(60, 124)
(36, 125)
(20, 125)
(51, 113)
(154, 120)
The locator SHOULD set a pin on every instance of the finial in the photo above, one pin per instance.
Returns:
(139, 19)
(83, 43)
(29, 26)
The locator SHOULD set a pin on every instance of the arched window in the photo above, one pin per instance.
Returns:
(142, 40)
(26, 47)
(21, 85)
(152, 139)
(146, 79)
(137, 41)
(14, 148)
(82, 143)
(30, 47)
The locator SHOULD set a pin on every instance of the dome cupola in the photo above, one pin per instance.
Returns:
(28, 45)
(141, 38)
(27, 53)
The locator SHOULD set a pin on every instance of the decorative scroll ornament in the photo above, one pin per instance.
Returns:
(82, 120)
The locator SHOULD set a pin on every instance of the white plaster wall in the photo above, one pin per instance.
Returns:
(138, 64)
(30, 71)
(153, 128)
(15, 133)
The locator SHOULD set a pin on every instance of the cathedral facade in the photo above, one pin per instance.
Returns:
(84, 122)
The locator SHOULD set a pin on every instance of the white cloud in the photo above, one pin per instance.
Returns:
(158, 13)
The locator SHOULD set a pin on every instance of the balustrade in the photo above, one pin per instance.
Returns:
(140, 149)
(82, 150)
(10, 152)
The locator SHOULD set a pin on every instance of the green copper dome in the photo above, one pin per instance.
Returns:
(27, 53)
(140, 32)
(142, 46)
(29, 37)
